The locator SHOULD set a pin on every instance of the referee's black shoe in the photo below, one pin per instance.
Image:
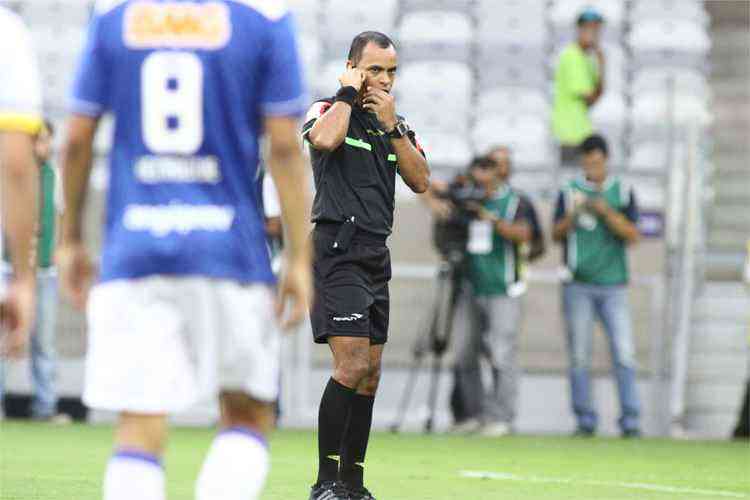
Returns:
(329, 490)
(360, 493)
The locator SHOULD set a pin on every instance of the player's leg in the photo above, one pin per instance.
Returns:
(238, 462)
(357, 435)
(578, 308)
(614, 313)
(135, 468)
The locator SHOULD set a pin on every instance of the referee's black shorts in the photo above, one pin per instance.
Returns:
(351, 287)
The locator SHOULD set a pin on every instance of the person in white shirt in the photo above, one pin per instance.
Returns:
(20, 121)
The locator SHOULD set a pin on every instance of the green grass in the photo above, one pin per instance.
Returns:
(41, 462)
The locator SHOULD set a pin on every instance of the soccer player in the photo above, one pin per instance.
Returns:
(183, 310)
(20, 121)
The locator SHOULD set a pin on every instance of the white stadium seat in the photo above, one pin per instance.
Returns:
(649, 191)
(345, 19)
(500, 100)
(436, 35)
(414, 5)
(448, 85)
(669, 10)
(311, 53)
(306, 14)
(677, 36)
(421, 117)
(685, 80)
(610, 111)
(652, 156)
(507, 29)
(326, 83)
(564, 14)
(652, 109)
(445, 150)
(527, 134)
(520, 9)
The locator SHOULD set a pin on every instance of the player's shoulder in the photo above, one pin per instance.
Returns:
(273, 10)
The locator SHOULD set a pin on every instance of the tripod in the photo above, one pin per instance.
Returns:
(435, 338)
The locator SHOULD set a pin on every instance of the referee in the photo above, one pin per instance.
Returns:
(357, 145)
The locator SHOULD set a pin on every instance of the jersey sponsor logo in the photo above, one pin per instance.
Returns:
(178, 169)
(177, 24)
(317, 110)
(161, 220)
(352, 317)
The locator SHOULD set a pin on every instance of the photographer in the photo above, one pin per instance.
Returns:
(489, 311)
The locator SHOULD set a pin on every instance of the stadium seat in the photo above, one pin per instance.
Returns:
(306, 15)
(436, 35)
(494, 55)
(311, 52)
(685, 80)
(445, 150)
(502, 29)
(532, 183)
(513, 100)
(678, 36)
(527, 134)
(669, 10)
(520, 9)
(652, 156)
(416, 5)
(448, 85)
(564, 13)
(326, 83)
(436, 118)
(344, 19)
(652, 108)
(649, 191)
(514, 72)
(610, 111)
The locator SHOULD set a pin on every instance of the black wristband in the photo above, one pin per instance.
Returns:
(347, 95)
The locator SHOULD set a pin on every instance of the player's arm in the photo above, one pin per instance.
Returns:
(329, 130)
(19, 183)
(623, 224)
(75, 268)
(286, 164)
(517, 231)
(564, 219)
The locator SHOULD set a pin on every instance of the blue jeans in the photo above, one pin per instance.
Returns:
(610, 304)
(43, 355)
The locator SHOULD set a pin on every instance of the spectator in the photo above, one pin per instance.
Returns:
(43, 356)
(579, 83)
(489, 312)
(595, 219)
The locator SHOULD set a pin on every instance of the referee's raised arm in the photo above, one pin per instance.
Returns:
(330, 130)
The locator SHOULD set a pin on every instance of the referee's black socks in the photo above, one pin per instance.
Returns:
(333, 415)
(355, 441)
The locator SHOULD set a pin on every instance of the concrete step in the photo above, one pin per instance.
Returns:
(724, 267)
(730, 216)
(722, 302)
(729, 39)
(726, 241)
(719, 336)
(730, 88)
(731, 164)
(717, 368)
(709, 424)
(719, 398)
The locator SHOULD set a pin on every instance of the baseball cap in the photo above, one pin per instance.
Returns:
(590, 15)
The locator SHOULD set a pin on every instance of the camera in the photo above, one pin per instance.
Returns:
(451, 235)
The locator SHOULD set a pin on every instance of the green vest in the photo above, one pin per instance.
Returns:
(594, 253)
(494, 272)
(47, 216)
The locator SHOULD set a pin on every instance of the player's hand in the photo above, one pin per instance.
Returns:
(17, 317)
(295, 289)
(352, 77)
(76, 273)
(598, 205)
(383, 105)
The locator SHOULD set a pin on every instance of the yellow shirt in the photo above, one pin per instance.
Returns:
(577, 75)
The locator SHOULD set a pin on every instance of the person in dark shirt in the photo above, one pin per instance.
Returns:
(357, 145)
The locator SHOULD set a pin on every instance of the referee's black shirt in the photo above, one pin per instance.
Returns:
(358, 178)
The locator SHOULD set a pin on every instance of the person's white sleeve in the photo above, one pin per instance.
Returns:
(271, 204)
(20, 87)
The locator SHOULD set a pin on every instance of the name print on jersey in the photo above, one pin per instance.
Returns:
(177, 24)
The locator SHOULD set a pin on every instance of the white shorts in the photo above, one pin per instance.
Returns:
(161, 344)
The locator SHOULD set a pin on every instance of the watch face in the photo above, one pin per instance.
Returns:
(402, 128)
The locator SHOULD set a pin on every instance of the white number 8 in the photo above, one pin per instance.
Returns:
(172, 102)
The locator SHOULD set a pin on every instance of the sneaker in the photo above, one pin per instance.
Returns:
(631, 434)
(468, 426)
(57, 419)
(495, 430)
(329, 490)
(583, 432)
(360, 493)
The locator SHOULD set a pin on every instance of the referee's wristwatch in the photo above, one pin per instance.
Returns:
(400, 130)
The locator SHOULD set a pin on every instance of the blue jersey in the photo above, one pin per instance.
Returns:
(189, 84)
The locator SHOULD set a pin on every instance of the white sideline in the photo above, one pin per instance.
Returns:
(502, 476)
